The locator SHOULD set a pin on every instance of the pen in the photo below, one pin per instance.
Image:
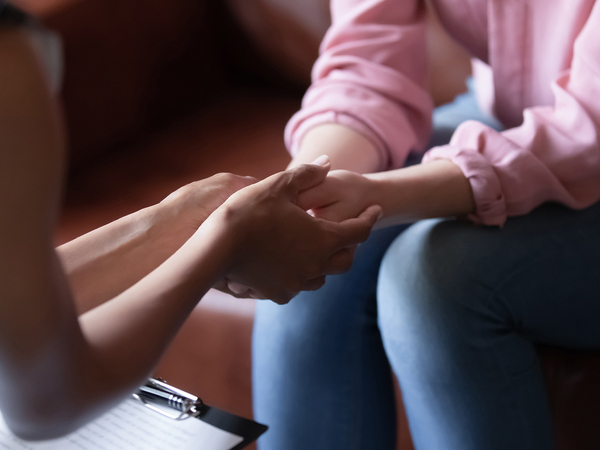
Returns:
(158, 395)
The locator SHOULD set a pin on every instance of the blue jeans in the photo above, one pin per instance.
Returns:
(461, 308)
(457, 312)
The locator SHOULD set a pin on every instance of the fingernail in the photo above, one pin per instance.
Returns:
(321, 160)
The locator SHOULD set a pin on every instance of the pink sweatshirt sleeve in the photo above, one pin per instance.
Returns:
(370, 76)
(553, 156)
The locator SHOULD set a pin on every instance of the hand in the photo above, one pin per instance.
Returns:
(276, 248)
(105, 262)
(194, 202)
(341, 196)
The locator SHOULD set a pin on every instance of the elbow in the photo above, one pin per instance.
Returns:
(32, 432)
(42, 423)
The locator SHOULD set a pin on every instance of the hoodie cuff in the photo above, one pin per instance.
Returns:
(485, 184)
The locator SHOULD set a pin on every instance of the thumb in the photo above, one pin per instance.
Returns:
(357, 230)
(306, 176)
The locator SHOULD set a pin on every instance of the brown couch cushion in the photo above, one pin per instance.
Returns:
(130, 66)
(288, 33)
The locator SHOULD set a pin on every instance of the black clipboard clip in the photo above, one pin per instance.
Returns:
(176, 404)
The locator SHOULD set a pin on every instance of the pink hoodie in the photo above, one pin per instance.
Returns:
(544, 86)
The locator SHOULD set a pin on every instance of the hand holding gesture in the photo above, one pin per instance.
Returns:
(276, 248)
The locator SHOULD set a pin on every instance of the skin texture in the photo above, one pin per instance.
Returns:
(143, 272)
(141, 241)
(434, 189)
(312, 247)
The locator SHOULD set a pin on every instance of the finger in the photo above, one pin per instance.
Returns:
(223, 288)
(257, 295)
(357, 230)
(278, 296)
(322, 160)
(332, 213)
(318, 197)
(340, 261)
(314, 284)
(304, 177)
(237, 288)
(284, 298)
(281, 298)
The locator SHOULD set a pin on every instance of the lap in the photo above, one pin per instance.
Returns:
(342, 304)
(537, 275)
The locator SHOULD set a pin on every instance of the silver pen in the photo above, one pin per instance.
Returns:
(161, 397)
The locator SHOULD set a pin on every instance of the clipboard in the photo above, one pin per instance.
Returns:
(176, 404)
(135, 425)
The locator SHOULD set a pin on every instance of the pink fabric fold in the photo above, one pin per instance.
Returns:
(545, 62)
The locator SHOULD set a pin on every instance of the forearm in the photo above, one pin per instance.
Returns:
(93, 366)
(434, 189)
(41, 341)
(346, 148)
(105, 262)
(129, 333)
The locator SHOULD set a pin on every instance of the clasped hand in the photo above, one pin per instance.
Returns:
(276, 249)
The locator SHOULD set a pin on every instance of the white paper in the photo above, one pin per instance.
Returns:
(131, 426)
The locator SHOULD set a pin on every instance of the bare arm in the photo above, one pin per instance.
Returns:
(346, 148)
(435, 189)
(93, 361)
(41, 341)
(110, 259)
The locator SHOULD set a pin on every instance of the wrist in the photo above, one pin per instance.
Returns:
(433, 189)
(225, 237)
(379, 189)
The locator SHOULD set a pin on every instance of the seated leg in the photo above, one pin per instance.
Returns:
(460, 309)
(321, 378)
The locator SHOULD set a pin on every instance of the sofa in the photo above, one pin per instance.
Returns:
(158, 94)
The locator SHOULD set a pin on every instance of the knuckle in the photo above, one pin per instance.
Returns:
(282, 298)
(220, 177)
(230, 179)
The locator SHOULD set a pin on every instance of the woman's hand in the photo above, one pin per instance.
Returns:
(276, 248)
(341, 196)
(191, 204)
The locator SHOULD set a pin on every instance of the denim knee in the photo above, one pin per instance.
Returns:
(439, 276)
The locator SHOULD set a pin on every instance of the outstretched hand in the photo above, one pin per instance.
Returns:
(194, 202)
(276, 248)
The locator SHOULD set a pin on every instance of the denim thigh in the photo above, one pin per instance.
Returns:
(320, 375)
(460, 308)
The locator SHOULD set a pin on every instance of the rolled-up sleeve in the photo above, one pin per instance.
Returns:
(554, 156)
(371, 77)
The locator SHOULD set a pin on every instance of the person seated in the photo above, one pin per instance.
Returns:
(82, 326)
(457, 303)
